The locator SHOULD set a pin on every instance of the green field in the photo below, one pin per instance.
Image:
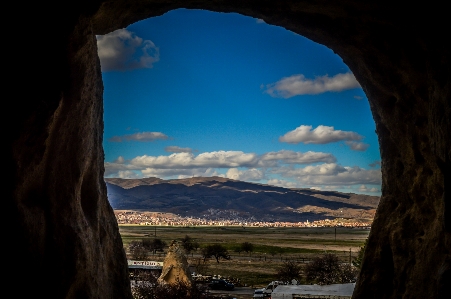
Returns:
(272, 246)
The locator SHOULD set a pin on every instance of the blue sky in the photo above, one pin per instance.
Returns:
(198, 93)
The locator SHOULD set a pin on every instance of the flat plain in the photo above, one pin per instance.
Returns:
(272, 246)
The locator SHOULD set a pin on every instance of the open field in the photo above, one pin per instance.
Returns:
(272, 246)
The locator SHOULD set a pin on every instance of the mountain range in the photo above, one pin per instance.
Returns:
(222, 198)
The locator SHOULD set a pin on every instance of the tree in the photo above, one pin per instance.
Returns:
(247, 247)
(137, 250)
(154, 245)
(238, 249)
(357, 262)
(288, 271)
(189, 244)
(348, 273)
(147, 242)
(323, 270)
(216, 250)
(327, 269)
(273, 251)
(201, 267)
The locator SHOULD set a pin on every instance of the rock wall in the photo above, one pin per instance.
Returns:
(62, 237)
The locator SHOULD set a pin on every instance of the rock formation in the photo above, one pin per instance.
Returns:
(62, 235)
(175, 266)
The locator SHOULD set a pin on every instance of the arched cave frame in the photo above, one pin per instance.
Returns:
(64, 238)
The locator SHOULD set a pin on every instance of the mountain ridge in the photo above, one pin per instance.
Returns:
(222, 198)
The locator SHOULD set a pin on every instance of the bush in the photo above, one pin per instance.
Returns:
(189, 244)
(247, 247)
(357, 262)
(137, 250)
(150, 289)
(288, 271)
(328, 270)
(154, 245)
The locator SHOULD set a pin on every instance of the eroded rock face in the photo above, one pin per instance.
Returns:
(62, 234)
(175, 266)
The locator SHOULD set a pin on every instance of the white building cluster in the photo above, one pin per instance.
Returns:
(165, 219)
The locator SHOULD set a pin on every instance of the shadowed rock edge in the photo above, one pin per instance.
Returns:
(60, 224)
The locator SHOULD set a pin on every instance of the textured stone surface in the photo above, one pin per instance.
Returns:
(62, 238)
(175, 266)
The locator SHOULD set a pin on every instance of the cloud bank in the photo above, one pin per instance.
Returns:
(219, 159)
(178, 149)
(282, 168)
(299, 85)
(319, 135)
(357, 146)
(122, 50)
(142, 137)
(252, 174)
(291, 157)
(330, 174)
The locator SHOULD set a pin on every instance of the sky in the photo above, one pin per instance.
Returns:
(197, 93)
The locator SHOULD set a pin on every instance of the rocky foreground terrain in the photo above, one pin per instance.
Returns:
(221, 198)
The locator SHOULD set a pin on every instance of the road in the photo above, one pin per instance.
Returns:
(238, 292)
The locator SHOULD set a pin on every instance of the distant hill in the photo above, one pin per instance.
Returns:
(221, 198)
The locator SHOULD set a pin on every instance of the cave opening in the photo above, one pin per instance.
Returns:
(156, 135)
(223, 86)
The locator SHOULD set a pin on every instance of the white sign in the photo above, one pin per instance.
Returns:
(144, 263)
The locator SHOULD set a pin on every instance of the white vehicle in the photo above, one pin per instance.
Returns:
(333, 291)
(266, 291)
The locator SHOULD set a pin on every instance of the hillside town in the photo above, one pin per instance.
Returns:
(167, 219)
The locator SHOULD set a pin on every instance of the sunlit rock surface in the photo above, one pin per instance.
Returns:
(175, 266)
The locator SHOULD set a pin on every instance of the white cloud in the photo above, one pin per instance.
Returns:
(260, 21)
(127, 174)
(282, 183)
(299, 85)
(219, 159)
(119, 160)
(326, 169)
(320, 135)
(123, 50)
(292, 157)
(178, 149)
(278, 168)
(143, 137)
(112, 169)
(364, 188)
(332, 187)
(252, 174)
(179, 173)
(178, 162)
(357, 146)
(375, 163)
(331, 174)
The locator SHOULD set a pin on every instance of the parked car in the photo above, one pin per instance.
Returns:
(220, 284)
(258, 293)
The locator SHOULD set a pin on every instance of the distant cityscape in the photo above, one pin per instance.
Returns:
(167, 219)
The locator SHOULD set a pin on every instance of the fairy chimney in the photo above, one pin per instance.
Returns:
(175, 266)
